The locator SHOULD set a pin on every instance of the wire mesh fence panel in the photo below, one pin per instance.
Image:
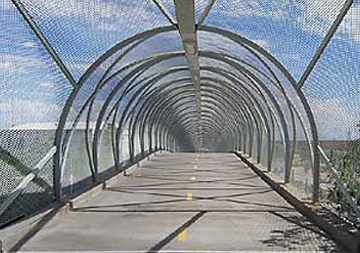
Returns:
(106, 152)
(80, 31)
(111, 80)
(36, 196)
(76, 173)
(268, 23)
(278, 166)
(302, 169)
(199, 8)
(137, 148)
(124, 147)
(169, 7)
(32, 93)
(332, 90)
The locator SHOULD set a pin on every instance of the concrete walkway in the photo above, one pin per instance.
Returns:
(184, 202)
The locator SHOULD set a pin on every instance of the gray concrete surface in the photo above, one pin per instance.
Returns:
(183, 202)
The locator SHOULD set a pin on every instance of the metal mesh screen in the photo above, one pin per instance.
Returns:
(111, 81)
(80, 31)
(333, 93)
(32, 92)
(268, 23)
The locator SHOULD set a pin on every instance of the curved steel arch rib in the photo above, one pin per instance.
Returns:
(162, 98)
(235, 105)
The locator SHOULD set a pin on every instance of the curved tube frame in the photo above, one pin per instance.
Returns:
(209, 114)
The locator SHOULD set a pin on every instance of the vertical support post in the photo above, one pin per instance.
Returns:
(259, 144)
(244, 149)
(156, 145)
(251, 140)
(150, 137)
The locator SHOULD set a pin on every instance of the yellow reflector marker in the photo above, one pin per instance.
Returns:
(182, 235)
(189, 196)
(315, 206)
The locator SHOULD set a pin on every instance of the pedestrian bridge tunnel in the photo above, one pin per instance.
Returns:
(103, 84)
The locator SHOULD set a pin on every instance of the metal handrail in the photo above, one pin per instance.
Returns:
(26, 180)
(343, 189)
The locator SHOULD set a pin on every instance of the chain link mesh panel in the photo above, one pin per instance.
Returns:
(80, 31)
(290, 30)
(333, 92)
(32, 93)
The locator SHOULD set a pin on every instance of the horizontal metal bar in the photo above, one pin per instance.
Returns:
(27, 179)
(336, 175)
